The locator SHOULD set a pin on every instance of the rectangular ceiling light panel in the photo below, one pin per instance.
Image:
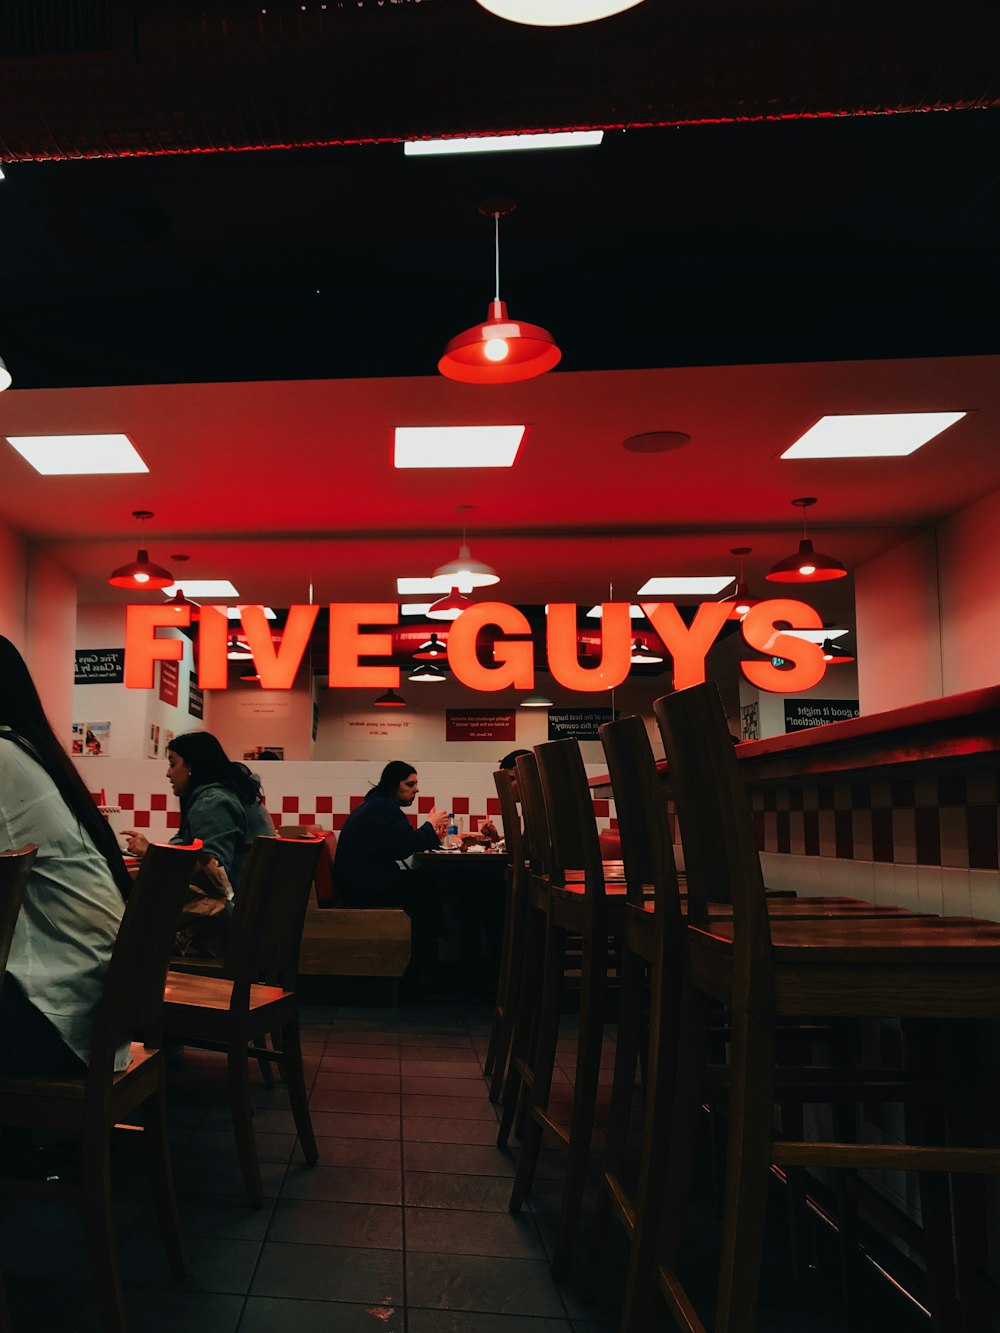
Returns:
(76, 455)
(503, 143)
(816, 635)
(881, 435)
(196, 588)
(457, 446)
(233, 613)
(702, 585)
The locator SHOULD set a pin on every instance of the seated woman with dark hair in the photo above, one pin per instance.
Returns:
(74, 899)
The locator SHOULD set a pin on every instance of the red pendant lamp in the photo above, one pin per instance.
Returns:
(390, 700)
(556, 13)
(806, 565)
(834, 651)
(179, 599)
(449, 607)
(140, 574)
(740, 600)
(500, 350)
(431, 649)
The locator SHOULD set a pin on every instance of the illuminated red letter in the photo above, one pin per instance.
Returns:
(759, 632)
(515, 661)
(687, 647)
(616, 647)
(278, 668)
(213, 638)
(143, 648)
(347, 644)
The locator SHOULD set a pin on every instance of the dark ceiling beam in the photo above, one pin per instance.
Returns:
(232, 75)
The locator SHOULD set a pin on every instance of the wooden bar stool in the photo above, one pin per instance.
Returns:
(514, 928)
(763, 969)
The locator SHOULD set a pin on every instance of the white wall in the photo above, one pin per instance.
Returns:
(13, 585)
(50, 637)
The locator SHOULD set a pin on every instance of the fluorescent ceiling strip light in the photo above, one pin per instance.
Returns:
(233, 612)
(78, 455)
(635, 612)
(457, 446)
(441, 584)
(879, 435)
(503, 143)
(704, 585)
(415, 608)
(202, 588)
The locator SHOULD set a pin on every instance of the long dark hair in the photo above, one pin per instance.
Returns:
(209, 763)
(21, 710)
(395, 772)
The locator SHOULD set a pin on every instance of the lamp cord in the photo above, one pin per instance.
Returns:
(496, 253)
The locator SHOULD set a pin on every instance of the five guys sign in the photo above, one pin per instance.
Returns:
(351, 638)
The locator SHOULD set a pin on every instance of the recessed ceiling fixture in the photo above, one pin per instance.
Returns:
(875, 435)
(464, 573)
(427, 673)
(700, 585)
(457, 446)
(449, 607)
(233, 613)
(536, 701)
(656, 441)
(806, 565)
(141, 574)
(501, 350)
(429, 650)
(205, 588)
(390, 700)
(643, 655)
(503, 143)
(77, 455)
(556, 13)
(740, 599)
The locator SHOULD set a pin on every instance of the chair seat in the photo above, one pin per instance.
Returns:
(72, 1089)
(214, 992)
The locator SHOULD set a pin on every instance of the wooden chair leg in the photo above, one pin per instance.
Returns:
(543, 1063)
(99, 1228)
(297, 1095)
(524, 1021)
(751, 1113)
(242, 1113)
(264, 1065)
(162, 1178)
(588, 1071)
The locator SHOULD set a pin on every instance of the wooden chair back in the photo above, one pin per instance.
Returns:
(716, 824)
(133, 985)
(572, 825)
(511, 817)
(15, 867)
(646, 847)
(535, 831)
(274, 889)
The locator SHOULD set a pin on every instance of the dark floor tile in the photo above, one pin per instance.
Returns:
(441, 1087)
(468, 1068)
(336, 1048)
(216, 1143)
(458, 1159)
(264, 1315)
(347, 1064)
(365, 1103)
(436, 1189)
(450, 1231)
(492, 1285)
(385, 1154)
(438, 1040)
(220, 1176)
(214, 1265)
(357, 1082)
(57, 1306)
(350, 1125)
(458, 1052)
(457, 1321)
(344, 1184)
(222, 1217)
(425, 1129)
(465, 1108)
(330, 1273)
(323, 1222)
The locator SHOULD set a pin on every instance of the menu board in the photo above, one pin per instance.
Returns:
(801, 713)
(99, 666)
(578, 724)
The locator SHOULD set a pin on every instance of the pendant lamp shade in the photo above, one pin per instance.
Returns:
(179, 599)
(428, 673)
(536, 701)
(449, 607)
(806, 565)
(5, 376)
(499, 351)
(466, 573)
(556, 13)
(430, 650)
(390, 700)
(141, 574)
(238, 652)
(643, 655)
(834, 652)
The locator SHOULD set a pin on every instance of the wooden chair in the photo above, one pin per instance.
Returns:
(512, 952)
(569, 899)
(763, 969)
(257, 995)
(91, 1105)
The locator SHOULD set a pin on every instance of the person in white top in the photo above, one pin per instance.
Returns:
(75, 895)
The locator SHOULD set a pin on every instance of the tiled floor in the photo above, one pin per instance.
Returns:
(403, 1227)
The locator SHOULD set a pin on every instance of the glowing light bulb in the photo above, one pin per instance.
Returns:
(496, 349)
(142, 578)
(742, 608)
(807, 570)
